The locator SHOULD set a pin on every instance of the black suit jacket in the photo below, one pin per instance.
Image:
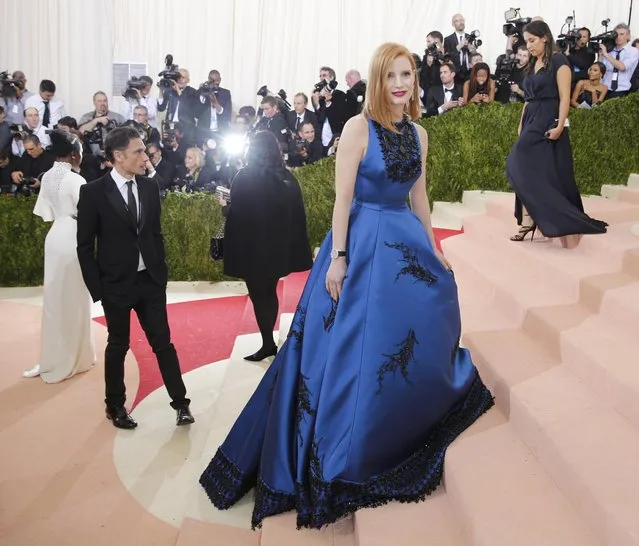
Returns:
(435, 98)
(204, 123)
(450, 47)
(356, 96)
(190, 108)
(224, 98)
(338, 113)
(164, 173)
(308, 117)
(276, 125)
(103, 218)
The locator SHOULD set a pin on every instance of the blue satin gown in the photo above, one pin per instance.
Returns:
(360, 404)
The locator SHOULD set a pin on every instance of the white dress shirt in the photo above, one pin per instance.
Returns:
(448, 96)
(629, 56)
(56, 108)
(120, 182)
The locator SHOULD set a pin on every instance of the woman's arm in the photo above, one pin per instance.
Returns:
(578, 89)
(521, 119)
(352, 144)
(563, 85)
(491, 90)
(419, 197)
(604, 92)
(465, 92)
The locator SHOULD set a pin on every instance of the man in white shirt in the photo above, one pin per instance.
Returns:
(621, 62)
(143, 98)
(50, 108)
(33, 125)
(14, 106)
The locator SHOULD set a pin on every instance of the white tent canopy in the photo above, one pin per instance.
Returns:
(280, 43)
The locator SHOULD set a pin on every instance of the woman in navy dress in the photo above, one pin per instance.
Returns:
(371, 386)
(539, 166)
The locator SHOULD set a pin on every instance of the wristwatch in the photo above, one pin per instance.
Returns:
(337, 254)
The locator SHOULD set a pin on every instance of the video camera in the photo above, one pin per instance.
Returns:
(329, 86)
(9, 86)
(207, 89)
(607, 38)
(170, 73)
(95, 137)
(473, 38)
(505, 69)
(19, 131)
(515, 24)
(437, 55)
(132, 85)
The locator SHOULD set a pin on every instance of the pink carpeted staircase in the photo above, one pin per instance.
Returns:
(555, 335)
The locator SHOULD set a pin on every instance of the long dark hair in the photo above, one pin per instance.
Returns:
(264, 153)
(541, 30)
(473, 86)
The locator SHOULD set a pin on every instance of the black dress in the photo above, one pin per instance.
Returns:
(265, 233)
(540, 170)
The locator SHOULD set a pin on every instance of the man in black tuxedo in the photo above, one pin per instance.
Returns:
(457, 47)
(182, 103)
(121, 212)
(444, 97)
(300, 114)
(223, 97)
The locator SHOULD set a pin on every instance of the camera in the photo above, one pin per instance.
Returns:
(609, 39)
(139, 128)
(515, 24)
(283, 104)
(170, 73)
(569, 39)
(207, 89)
(224, 193)
(433, 51)
(325, 85)
(131, 86)
(24, 187)
(473, 38)
(19, 131)
(169, 133)
(9, 86)
(95, 137)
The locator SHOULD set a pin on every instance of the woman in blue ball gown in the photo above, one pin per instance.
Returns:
(371, 385)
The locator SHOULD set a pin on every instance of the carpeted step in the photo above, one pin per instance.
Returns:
(282, 530)
(196, 533)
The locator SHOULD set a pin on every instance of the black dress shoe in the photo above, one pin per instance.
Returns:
(262, 354)
(184, 417)
(120, 418)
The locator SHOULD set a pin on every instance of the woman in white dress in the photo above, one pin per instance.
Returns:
(66, 340)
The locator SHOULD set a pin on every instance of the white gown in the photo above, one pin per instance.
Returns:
(66, 341)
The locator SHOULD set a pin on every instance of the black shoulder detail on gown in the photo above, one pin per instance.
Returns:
(401, 151)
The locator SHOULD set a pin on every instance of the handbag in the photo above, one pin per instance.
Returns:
(216, 249)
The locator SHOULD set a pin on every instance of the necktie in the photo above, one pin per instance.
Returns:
(615, 76)
(299, 122)
(133, 206)
(47, 114)
(462, 60)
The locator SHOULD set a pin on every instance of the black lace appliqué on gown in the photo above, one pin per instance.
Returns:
(297, 328)
(319, 502)
(330, 319)
(401, 153)
(412, 268)
(303, 405)
(399, 360)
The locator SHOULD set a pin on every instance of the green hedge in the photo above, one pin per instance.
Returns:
(467, 150)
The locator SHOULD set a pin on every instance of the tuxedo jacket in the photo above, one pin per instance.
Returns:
(435, 98)
(338, 113)
(190, 108)
(104, 222)
(308, 116)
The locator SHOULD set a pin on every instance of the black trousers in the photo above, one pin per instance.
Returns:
(148, 299)
(263, 294)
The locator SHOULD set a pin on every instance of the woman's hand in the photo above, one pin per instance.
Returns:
(221, 201)
(554, 134)
(443, 260)
(335, 277)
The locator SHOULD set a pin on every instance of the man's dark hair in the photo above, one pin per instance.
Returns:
(1, 109)
(450, 65)
(305, 124)
(4, 154)
(269, 100)
(47, 86)
(33, 139)
(330, 71)
(437, 35)
(264, 152)
(147, 79)
(69, 122)
(587, 30)
(248, 111)
(119, 139)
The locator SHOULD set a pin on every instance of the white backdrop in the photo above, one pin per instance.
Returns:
(281, 43)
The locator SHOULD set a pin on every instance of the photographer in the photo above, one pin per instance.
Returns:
(5, 132)
(215, 113)
(32, 126)
(182, 104)
(300, 113)
(304, 148)
(13, 96)
(356, 94)
(273, 121)
(331, 107)
(459, 48)
(194, 175)
(161, 170)
(580, 55)
(434, 55)
(510, 76)
(97, 124)
(138, 93)
(620, 62)
(31, 165)
(141, 117)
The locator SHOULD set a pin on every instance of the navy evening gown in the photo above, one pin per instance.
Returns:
(540, 170)
(360, 404)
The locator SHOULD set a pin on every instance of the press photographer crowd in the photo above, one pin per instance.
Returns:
(201, 142)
